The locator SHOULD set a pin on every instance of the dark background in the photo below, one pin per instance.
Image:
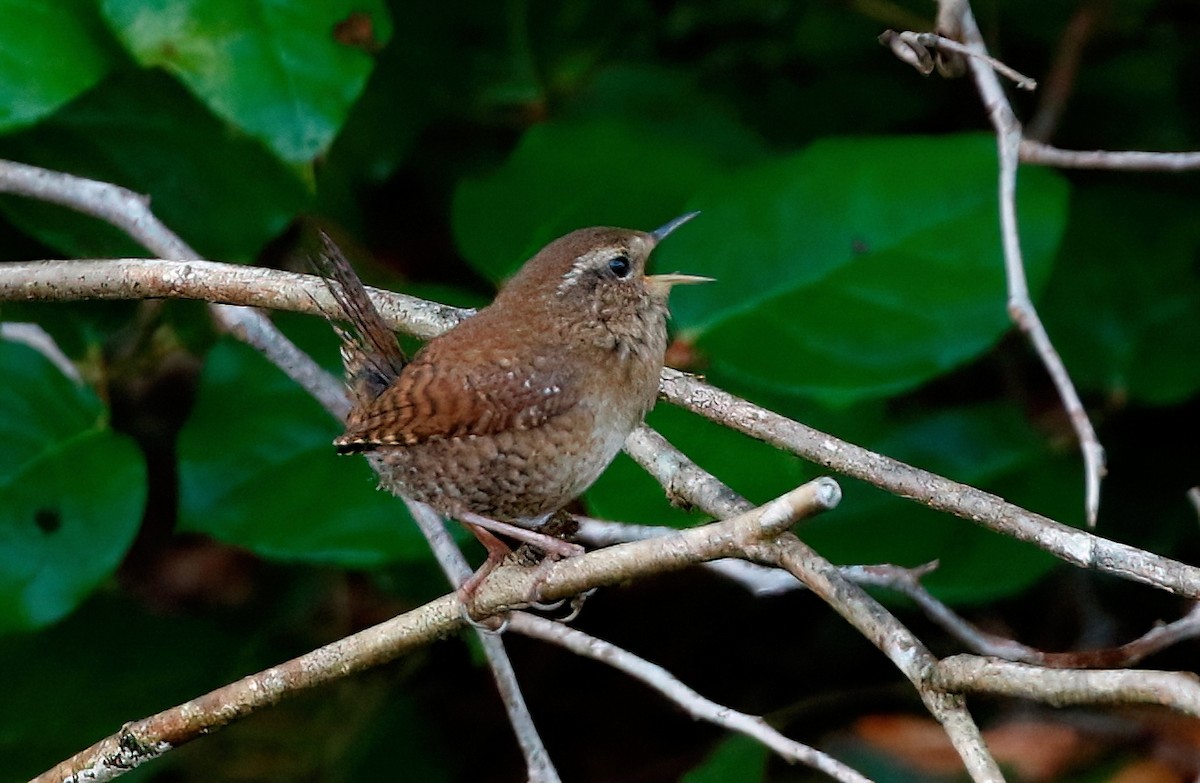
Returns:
(181, 520)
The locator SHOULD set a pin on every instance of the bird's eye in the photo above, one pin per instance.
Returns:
(619, 265)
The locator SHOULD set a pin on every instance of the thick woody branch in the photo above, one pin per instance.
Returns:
(210, 281)
(506, 588)
(1063, 687)
(453, 563)
(1075, 546)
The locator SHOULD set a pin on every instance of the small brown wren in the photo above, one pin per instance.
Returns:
(517, 410)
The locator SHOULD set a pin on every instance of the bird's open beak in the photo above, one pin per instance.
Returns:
(660, 285)
(660, 234)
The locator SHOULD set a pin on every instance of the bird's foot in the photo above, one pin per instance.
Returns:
(540, 550)
(497, 553)
(549, 544)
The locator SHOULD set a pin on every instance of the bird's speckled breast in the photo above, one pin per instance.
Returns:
(516, 476)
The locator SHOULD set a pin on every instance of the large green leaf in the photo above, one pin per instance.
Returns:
(1123, 307)
(989, 447)
(257, 469)
(220, 190)
(49, 53)
(598, 171)
(276, 69)
(135, 664)
(71, 492)
(858, 267)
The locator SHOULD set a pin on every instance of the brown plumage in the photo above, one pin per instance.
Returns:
(517, 410)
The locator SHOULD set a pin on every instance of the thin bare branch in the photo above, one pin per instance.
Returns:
(669, 686)
(131, 213)
(1020, 306)
(1120, 160)
(683, 480)
(916, 50)
(908, 582)
(450, 558)
(39, 339)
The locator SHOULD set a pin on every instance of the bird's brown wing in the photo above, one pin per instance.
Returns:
(434, 399)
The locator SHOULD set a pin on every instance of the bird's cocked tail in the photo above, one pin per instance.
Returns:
(371, 356)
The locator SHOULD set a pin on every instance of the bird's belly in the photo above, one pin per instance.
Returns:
(518, 476)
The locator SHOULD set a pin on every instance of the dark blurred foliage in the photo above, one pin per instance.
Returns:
(180, 520)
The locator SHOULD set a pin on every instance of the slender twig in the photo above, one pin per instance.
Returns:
(450, 558)
(1020, 306)
(669, 686)
(682, 479)
(40, 340)
(760, 580)
(914, 49)
(1123, 160)
(507, 587)
(908, 582)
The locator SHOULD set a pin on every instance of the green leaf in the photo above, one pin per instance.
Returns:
(135, 664)
(872, 264)
(71, 492)
(219, 190)
(989, 447)
(1122, 305)
(567, 175)
(738, 759)
(275, 69)
(257, 469)
(49, 53)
